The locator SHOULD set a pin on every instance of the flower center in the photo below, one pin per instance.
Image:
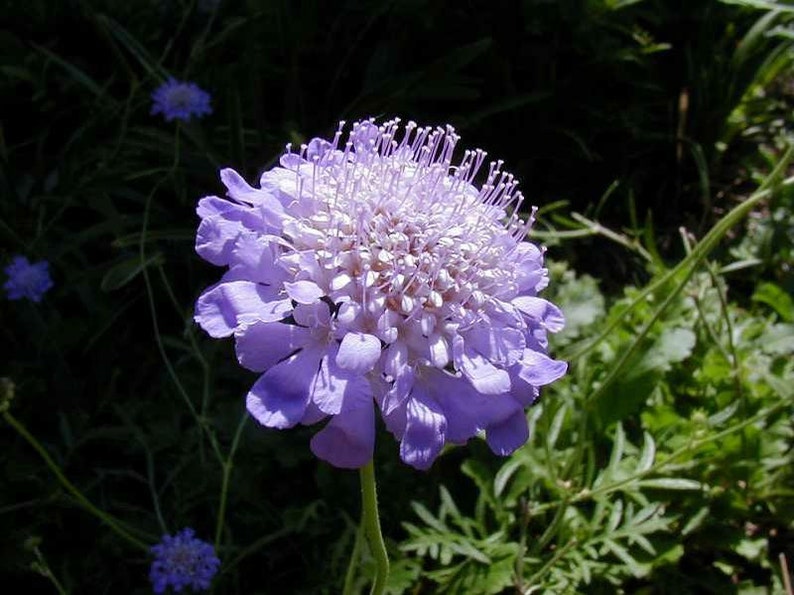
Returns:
(180, 97)
(397, 228)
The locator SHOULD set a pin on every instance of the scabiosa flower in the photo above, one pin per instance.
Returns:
(183, 561)
(180, 100)
(375, 272)
(27, 280)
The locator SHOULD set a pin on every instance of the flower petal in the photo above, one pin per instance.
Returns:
(538, 369)
(508, 435)
(254, 259)
(261, 345)
(439, 350)
(520, 390)
(270, 209)
(531, 277)
(358, 352)
(541, 311)
(215, 239)
(225, 306)
(316, 315)
(304, 292)
(395, 397)
(348, 440)
(425, 430)
(280, 396)
(498, 344)
(483, 375)
(466, 410)
(335, 389)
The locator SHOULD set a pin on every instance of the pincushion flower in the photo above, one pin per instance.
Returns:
(182, 561)
(180, 100)
(27, 280)
(375, 273)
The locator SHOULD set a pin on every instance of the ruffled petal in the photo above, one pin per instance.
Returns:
(304, 292)
(425, 431)
(224, 307)
(280, 396)
(483, 375)
(215, 239)
(212, 205)
(506, 436)
(538, 369)
(498, 344)
(254, 259)
(261, 345)
(541, 311)
(267, 206)
(466, 410)
(348, 440)
(335, 389)
(282, 183)
(520, 390)
(531, 277)
(395, 397)
(314, 315)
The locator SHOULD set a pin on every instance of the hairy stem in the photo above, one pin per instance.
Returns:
(371, 522)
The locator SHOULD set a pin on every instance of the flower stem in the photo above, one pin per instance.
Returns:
(371, 522)
(69, 487)
(350, 575)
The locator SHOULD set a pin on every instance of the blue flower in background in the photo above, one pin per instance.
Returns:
(183, 561)
(27, 280)
(180, 100)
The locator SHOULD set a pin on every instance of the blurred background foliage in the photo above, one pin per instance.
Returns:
(634, 124)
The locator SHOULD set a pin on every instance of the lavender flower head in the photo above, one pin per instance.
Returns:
(183, 561)
(27, 280)
(373, 272)
(180, 100)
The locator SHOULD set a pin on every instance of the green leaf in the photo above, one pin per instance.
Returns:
(673, 345)
(777, 298)
(671, 483)
(581, 301)
(617, 448)
(77, 74)
(777, 339)
(647, 455)
(124, 272)
(615, 517)
(504, 474)
(643, 373)
(424, 514)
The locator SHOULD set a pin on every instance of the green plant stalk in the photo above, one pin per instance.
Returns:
(687, 449)
(698, 254)
(69, 487)
(551, 562)
(45, 570)
(200, 421)
(227, 473)
(371, 523)
(587, 494)
(350, 575)
(687, 267)
(259, 543)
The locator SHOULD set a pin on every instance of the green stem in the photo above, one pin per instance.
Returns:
(686, 267)
(227, 473)
(371, 522)
(69, 487)
(350, 575)
(44, 569)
